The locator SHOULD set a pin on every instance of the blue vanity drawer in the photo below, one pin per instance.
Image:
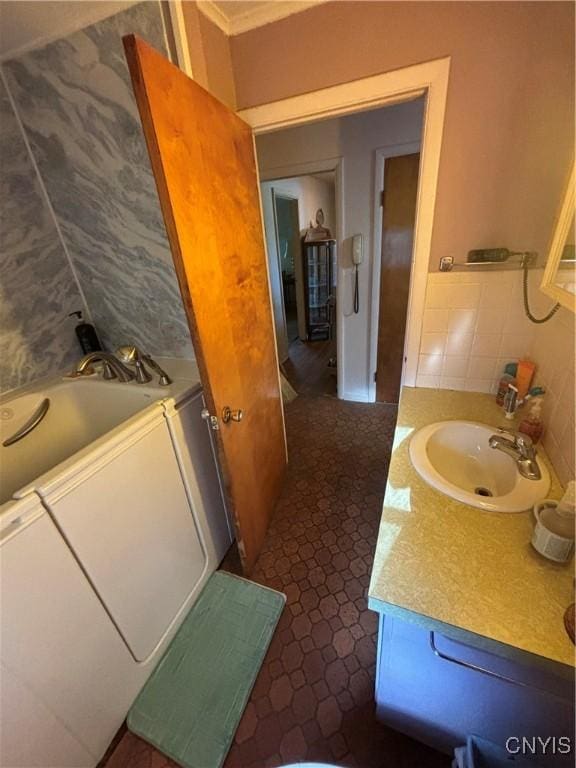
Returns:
(439, 691)
(517, 672)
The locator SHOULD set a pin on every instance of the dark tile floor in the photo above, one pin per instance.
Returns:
(314, 696)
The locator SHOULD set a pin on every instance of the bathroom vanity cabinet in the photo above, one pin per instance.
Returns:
(471, 636)
(440, 690)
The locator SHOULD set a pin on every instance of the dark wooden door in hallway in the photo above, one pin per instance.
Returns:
(398, 217)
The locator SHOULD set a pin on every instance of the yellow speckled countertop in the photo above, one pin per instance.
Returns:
(452, 567)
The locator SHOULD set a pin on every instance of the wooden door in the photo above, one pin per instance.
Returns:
(202, 156)
(398, 216)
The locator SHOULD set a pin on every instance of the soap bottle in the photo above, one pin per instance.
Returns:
(86, 333)
(532, 424)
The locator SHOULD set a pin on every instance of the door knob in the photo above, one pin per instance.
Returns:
(229, 415)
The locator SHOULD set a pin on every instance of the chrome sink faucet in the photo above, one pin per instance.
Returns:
(521, 448)
(112, 367)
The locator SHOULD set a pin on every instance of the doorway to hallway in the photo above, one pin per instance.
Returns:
(299, 219)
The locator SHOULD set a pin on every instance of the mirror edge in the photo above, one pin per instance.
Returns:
(548, 286)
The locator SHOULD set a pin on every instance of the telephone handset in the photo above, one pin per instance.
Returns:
(357, 256)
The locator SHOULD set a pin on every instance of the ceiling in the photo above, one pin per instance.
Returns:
(233, 9)
(27, 24)
(237, 16)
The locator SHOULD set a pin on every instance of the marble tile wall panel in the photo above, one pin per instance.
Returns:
(75, 99)
(37, 286)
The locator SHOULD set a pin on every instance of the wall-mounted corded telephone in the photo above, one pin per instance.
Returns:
(357, 255)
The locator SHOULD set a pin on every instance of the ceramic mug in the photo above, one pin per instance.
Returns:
(549, 544)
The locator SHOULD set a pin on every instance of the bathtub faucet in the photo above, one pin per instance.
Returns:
(132, 355)
(112, 367)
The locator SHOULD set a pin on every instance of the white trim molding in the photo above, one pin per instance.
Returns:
(430, 78)
(180, 37)
(255, 15)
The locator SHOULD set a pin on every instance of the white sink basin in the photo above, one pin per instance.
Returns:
(454, 457)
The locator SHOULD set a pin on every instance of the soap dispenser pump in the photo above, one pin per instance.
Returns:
(86, 333)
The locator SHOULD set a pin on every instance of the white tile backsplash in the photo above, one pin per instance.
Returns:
(429, 382)
(455, 365)
(433, 343)
(430, 365)
(480, 385)
(516, 344)
(473, 325)
(486, 344)
(482, 367)
(452, 382)
(458, 343)
(552, 350)
(462, 320)
(490, 320)
(435, 320)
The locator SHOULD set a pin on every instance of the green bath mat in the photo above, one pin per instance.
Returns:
(191, 706)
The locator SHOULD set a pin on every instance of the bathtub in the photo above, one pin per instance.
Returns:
(113, 510)
(80, 411)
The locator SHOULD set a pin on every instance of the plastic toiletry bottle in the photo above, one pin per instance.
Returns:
(508, 377)
(524, 376)
(86, 333)
(510, 401)
(532, 424)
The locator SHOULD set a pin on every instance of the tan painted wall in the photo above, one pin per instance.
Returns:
(192, 18)
(218, 62)
(209, 54)
(509, 126)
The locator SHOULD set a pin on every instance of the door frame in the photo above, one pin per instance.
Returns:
(381, 155)
(430, 79)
